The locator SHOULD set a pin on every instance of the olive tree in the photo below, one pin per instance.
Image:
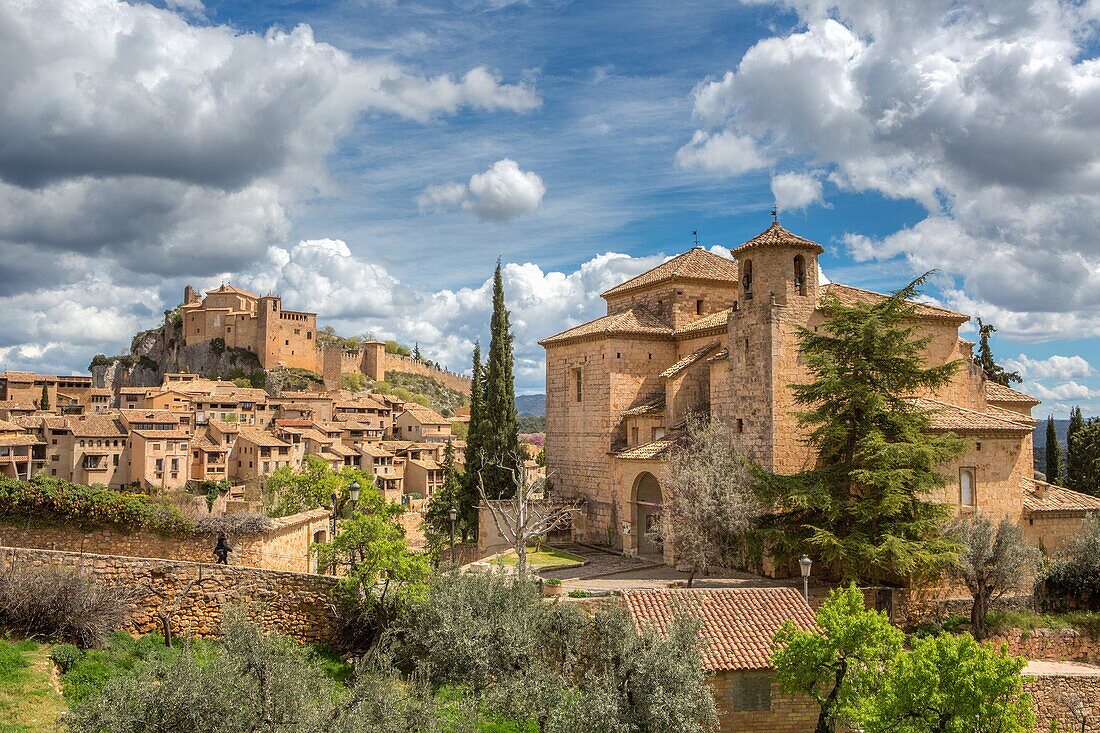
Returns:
(995, 560)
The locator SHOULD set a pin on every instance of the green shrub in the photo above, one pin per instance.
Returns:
(1072, 582)
(52, 499)
(554, 581)
(578, 593)
(65, 656)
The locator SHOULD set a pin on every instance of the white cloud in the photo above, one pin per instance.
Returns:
(1062, 392)
(1053, 367)
(723, 152)
(986, 114)
(500, 194)
(793, 191)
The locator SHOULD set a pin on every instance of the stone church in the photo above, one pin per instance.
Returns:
(703, 333)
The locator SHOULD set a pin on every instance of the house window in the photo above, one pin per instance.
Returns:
(800, 274)
(658, 433)
(750, 692)
(578, 384)
(966, 487)
(699, 307)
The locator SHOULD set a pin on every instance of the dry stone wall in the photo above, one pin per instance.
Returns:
(1073, 701)
(295, 604)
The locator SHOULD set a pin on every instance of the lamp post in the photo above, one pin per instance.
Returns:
(338, 506)
(453, 514)
(804, 564)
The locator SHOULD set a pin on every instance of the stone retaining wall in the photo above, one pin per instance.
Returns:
(1069, 700)
(296, 604)
(1063, 645)
(285, 547)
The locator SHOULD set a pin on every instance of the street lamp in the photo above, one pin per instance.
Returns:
(453, 514)
(338, 506)
(804, 564)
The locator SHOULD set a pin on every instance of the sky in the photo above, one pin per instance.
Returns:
(370, 160)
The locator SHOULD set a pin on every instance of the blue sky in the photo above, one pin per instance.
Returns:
(371, 159)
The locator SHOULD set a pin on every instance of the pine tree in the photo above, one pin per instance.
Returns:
(985, 360)
(1073, 453)
(416, 352)
(1054, 454)
(470, 496)
(864, 508)
(501, 435)
(44, 403)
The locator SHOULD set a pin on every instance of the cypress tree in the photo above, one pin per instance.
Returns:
(985, 360)
(475, 454)
(437, 519)
(44, 403)
(1073, 453)
(1054, 454)
(865, 509)
(501, 436)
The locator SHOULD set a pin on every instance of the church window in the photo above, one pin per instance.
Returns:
(740, 425)
(578, 384)
(634, 436)
(966, 487)
(746, 279)
(699, 307)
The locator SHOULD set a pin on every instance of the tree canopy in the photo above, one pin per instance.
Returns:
(994, 371)
(863, 508)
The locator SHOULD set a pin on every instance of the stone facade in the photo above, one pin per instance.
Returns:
(294, 604)
(777, 712)
(1068, 699)
(704, 333)
(285, 547)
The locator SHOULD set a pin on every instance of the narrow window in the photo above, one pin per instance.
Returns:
(699, 307)
(966, 487)
(634, 436)
(740, 425)
(746, 279)
(578, 385)
(800, 274)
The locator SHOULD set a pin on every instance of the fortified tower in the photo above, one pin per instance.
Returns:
(777, 292)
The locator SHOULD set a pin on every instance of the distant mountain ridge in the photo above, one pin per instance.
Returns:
(531, 405)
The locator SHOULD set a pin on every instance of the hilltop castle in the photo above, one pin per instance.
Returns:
(285, 338)
(703, 333)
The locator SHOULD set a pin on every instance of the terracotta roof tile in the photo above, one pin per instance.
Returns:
(957, 419)
(646, 451)
(714, 320)
(738, 624)
(426, 414)
(695, 264)
(720, 355)
(652, 405)
(688, 360)
(777, 236)
(849, 296)
(999, 393)
(635, 321)
(262, 438)
(1043, 498)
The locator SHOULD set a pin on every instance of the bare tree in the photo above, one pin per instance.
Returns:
(523, 518)
(167, 610)
(710, 504)
(994, 561)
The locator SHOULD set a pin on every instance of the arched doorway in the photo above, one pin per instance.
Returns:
(647, 514)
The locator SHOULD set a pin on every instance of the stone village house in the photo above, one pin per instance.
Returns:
(710, 334)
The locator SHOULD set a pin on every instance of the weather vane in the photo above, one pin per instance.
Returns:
(695, 234)
(775, 214)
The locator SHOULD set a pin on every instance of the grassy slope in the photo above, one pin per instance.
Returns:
(29, 701)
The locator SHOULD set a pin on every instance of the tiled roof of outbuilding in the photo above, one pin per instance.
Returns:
(777, 236)
(714, 320)
(1044, 498)
(695, 264)
(635, 321)
(646, 451)
(649, 406)
(738, 624)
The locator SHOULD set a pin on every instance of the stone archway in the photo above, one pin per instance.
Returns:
(647, 514)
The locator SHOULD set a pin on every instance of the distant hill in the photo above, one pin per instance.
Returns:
(531, 404)
(1061, 427)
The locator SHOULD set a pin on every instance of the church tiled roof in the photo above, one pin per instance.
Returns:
(646, 451)
(848, 295)
(955, 419)
(695, 264)
(650, 406)
(636, 321)
(737, 625)
(717, 320)
(688, 360)
(776, 236)
(999, 393)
